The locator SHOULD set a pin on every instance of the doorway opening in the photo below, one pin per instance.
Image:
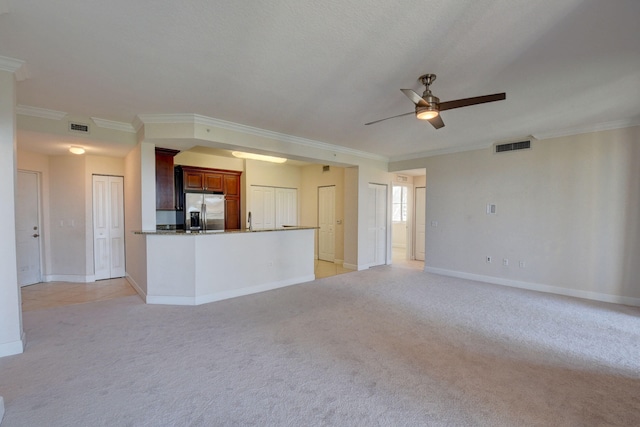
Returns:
(409, 218)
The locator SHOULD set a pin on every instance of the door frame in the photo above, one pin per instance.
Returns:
(38, 196)
(415, 222)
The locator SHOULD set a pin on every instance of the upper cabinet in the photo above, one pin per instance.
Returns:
(165, 186)
(231, 185)
(199, 179)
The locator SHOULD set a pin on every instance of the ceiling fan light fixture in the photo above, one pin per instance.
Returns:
(426, 113)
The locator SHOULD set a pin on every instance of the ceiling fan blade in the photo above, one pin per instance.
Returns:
(392, 117)
(472, 101)
(417, 99)
(437, 122)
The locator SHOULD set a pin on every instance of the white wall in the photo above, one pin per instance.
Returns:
(11, 333)
(68, 231)
(202, 160)
(135, 244)
(351, 209)
(569, 208)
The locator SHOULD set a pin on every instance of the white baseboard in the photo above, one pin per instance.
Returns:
(350, 266)
(596, 296)
(233, 293)
(136, 287)
(74, 278)
(14, 347)
(1, 409)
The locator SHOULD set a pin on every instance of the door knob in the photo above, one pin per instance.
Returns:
(36, 235)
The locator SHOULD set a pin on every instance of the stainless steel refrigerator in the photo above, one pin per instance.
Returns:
(204, 211)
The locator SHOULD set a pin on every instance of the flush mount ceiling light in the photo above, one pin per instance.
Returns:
(76, 150)
(253, 156)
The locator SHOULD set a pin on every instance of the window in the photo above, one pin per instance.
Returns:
(399, 204)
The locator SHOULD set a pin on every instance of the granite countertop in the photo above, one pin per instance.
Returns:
(214, 232)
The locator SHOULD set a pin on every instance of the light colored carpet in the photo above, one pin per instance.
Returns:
(387, 346)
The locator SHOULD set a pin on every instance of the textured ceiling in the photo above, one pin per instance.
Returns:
(320, 70)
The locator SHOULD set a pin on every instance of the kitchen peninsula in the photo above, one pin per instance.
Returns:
(192, 268)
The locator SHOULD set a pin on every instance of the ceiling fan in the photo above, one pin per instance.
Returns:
(428, 107)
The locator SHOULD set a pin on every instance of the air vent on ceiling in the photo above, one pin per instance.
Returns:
(513, 146)
(78, 127)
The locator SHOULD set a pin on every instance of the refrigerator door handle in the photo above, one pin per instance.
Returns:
(203, 209)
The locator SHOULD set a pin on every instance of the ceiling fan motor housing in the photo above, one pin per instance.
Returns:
(428, 111)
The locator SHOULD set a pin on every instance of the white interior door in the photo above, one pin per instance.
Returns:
(377, 224)
(108, 226)
(262, 207)
(420, 241)
(28, 228)
(286, 206)
(326, 223)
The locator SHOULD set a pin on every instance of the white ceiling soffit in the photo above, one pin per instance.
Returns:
(317, 72)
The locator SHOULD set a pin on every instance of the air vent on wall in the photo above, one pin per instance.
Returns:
(513, 146)
(78, 127)
(326, 168)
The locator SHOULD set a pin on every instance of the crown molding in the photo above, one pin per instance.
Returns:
(16, 66)
(597, 127)
(109, 124)
(441, 151)
(10, 64)
(43, 113)
(223, 124)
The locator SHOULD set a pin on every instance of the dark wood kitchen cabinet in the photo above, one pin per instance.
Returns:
(232, 213)
(199, 179)
(219, 181)
(165, 185)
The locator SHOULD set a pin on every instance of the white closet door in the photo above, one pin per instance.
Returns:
(326, 221)
(108, 227)
(377, 224)
(262, 207)
(286, 206)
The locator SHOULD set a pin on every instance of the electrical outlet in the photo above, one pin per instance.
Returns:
(505, 261)
(521, 264)
(488, 260)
